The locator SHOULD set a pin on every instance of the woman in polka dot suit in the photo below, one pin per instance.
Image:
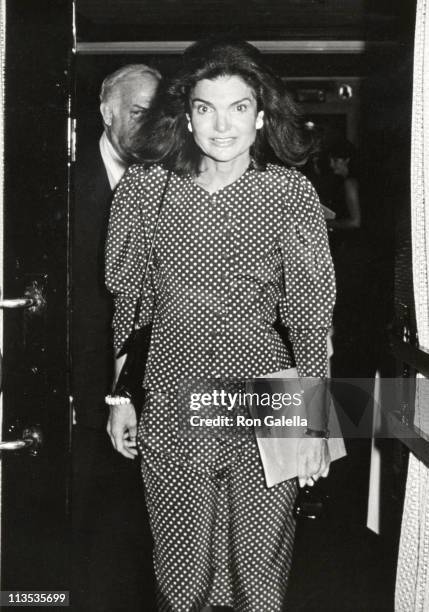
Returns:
(240, 242)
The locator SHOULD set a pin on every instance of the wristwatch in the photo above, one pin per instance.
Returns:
(317, 433)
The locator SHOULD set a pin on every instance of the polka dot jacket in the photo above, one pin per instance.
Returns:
(224, 267)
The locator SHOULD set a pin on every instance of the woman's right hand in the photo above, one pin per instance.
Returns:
(122, 429)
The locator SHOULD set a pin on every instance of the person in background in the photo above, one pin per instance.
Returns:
(354, 334)
(124, 98)
(350, 254)
(105, 504)
(344, 200)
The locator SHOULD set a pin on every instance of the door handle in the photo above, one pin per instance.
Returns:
(34, 299)
(32, 439)
(17, 303)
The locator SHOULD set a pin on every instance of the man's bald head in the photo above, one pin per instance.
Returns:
(125, 96)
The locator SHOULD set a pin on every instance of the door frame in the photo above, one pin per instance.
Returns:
(36, 46)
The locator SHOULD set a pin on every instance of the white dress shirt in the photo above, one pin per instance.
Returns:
(115, 166)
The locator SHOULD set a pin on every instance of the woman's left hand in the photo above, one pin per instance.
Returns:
(313, 460)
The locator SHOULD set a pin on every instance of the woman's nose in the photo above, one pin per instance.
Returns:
(222, 122)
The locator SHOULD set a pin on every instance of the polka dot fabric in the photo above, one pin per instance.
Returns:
(225, 265)
(221, 537)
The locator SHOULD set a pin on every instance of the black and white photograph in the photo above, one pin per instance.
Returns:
(214, 305)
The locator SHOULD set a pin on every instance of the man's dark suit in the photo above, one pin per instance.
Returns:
(110, 528)
(92, 305)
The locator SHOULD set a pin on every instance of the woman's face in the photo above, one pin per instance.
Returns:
(224, 117)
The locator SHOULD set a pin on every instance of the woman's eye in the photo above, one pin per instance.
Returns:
(202, 109)
(241, 108)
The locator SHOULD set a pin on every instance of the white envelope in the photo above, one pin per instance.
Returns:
(279, 454)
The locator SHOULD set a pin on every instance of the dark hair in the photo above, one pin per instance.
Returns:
(164, 137)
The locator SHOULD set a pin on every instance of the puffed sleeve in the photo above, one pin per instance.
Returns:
(126, 254)
(309, 280)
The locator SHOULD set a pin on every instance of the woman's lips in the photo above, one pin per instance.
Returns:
(223, 142)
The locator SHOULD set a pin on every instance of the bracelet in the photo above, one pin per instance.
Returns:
(317, 433)
(116, 400)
